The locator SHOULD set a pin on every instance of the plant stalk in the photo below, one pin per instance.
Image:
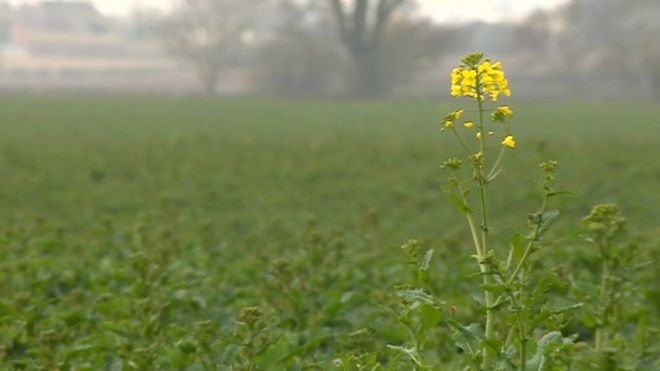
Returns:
(601, 332)
(530, 244)
(490, 320)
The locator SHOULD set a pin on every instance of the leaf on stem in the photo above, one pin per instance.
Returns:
(458, 201)
(516, 251)
(409, 352)
(416, 296)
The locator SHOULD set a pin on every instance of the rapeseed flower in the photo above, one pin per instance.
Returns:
(509, 142)
(469, 124)
(501, 113)
(505, 110)
(477, 79)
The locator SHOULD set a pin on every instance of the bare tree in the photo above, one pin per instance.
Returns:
(641, 27)
(207, 34)
(361, 31)
(625, 52)
(534, 33)
(302, 58)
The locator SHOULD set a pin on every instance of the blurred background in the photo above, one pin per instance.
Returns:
(553, 49)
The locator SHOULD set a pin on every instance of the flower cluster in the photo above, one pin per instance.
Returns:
(479, 80)
(448, 122)
(501, 113)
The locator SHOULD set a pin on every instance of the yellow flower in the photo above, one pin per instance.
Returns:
(470, 78)
(469, 91)
(491, 133)
(479, 81)
(478, 135)
(509, 142)
(449, 124)
(497, 75)
(505, 110)
(469, 74)
(457, 114)
(456, 76)
(469, 124)
(485, 67)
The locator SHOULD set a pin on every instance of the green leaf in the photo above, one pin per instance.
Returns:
(278, 352)
(516, 251)
(547, 219)
(496, 288)
(409, 352)
(430, 316)
(472, 330)
(548, 346)
(560, 193)
(416, 296)
(493, 345)
(557, 306)
(562, 305)
(426, 262)
(543, 288)
(458, 201)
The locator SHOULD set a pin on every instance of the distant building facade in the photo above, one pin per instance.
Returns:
(54, 45)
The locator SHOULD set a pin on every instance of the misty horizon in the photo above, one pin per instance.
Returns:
(297, 49)
(445, 12)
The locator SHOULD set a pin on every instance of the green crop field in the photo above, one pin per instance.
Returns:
(240, 235)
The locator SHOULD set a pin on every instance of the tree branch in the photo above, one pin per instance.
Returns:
(340, 17)
(360, 23)
(383, 13)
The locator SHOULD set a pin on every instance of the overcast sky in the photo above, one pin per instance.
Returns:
(441, 10)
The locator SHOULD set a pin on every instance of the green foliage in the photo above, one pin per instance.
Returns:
(201, 235)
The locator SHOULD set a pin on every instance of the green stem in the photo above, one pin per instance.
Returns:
(601, 332)
(465, 147)
(490, 315)
(493, 171)
(530, 244)
(523, 353)
(473, 228)
(528, 248)
(522, 333)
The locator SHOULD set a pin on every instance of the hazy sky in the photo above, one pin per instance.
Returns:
(442, 10)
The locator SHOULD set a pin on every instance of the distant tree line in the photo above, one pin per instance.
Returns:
(374, 48)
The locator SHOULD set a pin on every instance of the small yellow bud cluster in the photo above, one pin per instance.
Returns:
(479, 81)
(452, 163)
(501, 113)
(448, 122)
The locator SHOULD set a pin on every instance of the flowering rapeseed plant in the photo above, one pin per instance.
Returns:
(524, 322)
(477, 79)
